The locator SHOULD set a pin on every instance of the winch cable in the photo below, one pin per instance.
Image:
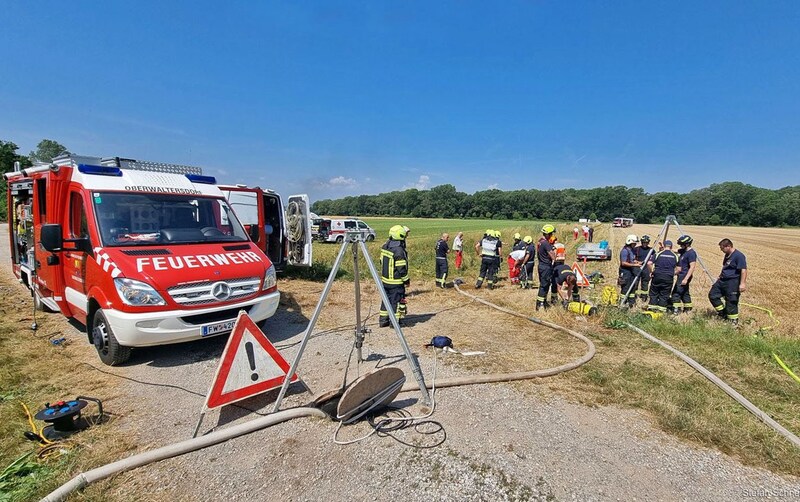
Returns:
(722, 385)
(173, 450)
(519, 375)
(401, 420)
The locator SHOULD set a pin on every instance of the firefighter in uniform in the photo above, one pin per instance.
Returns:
(487, 250)
(628, 268)
(442, 248)
(546, 255)
(394, 273)
(662, 269)
(687, 261)
(561, 254)
(565, 280)
(526, 267)
(498, 258)
(642, 251)
(731, 283)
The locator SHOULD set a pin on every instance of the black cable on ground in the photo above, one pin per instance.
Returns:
(384, 427)
(169, 386)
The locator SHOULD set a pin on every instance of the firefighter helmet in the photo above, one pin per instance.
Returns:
(397, 232)
(517, 237)
(497, 233)
(631, 239)
(645, 239)
(685, 240)
(548, 229)
(527, 239)
(489, 232)
(407, 230)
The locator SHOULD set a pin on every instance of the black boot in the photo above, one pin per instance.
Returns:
(383, 322)
(478, 284)
(539, 305)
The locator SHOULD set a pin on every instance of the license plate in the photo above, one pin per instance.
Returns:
(220, 327)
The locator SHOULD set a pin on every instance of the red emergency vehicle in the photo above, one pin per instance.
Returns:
(140, 253)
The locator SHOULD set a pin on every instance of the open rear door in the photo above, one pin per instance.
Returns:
(298, 230)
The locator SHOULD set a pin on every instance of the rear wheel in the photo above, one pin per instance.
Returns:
(108, 348)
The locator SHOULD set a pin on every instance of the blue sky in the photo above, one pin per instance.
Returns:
(343, 98)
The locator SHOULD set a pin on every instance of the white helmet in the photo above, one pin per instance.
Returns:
(631, 239)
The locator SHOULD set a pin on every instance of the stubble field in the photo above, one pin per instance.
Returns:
(628, 370)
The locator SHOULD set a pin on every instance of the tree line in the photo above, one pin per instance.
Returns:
(729, 203)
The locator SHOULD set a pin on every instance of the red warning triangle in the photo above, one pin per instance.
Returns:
(583, 281)
(249, 365)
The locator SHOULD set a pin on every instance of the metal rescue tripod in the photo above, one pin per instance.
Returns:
(355, 241)
(661, 237)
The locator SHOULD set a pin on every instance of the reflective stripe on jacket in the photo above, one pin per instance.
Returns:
(394, 263)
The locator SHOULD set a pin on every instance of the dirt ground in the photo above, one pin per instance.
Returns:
(516, 441)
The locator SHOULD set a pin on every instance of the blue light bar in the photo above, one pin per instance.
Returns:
(199, 178)
(101, 170)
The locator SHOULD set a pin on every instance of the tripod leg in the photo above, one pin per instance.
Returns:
(624, 298)
(311, 324)
(412, 362)
(359, 333)
(700, 260)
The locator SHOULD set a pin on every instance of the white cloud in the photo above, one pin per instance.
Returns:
(423, 183)
(493, 186)
(339, 182)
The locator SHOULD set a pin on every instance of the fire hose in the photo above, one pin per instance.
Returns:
(173, 450)
(84, 479)
(519, 375)
(725, 387)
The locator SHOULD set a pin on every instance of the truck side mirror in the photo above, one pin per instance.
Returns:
(51, 237)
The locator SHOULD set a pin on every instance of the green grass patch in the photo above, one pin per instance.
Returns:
(686, 404)
(422, 240)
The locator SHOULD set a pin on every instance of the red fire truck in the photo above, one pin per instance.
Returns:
(140, 253)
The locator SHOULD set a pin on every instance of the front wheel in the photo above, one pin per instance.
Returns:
(108, 348)
(370, 238)
(340, 239)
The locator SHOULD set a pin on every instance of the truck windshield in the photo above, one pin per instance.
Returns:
(142, 219)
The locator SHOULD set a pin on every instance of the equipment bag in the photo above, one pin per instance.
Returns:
(440, 342)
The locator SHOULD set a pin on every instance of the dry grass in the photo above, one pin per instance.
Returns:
(34, 371)
(628, 370)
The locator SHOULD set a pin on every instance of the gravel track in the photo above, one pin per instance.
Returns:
(504, 441)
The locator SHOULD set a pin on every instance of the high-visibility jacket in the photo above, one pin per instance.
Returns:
(394, 262)
(489, 246)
